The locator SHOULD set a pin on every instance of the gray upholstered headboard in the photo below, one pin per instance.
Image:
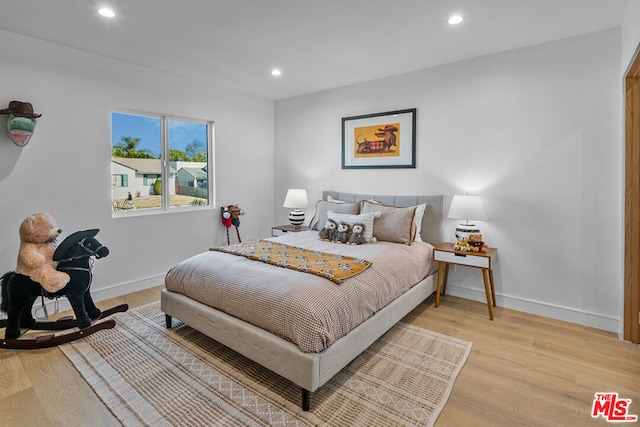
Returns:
(433, 221)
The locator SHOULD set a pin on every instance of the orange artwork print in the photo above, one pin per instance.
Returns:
(382, 140)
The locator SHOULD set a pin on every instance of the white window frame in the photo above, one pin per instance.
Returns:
(166, 165)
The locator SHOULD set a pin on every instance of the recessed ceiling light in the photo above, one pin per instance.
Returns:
(455, 19)
(276, 72)
(107, 13)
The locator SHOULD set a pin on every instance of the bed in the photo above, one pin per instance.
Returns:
(192, 295)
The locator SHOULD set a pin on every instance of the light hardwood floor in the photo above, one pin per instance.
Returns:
(523, 370)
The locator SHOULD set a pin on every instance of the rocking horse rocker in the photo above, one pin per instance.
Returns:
(19, 292)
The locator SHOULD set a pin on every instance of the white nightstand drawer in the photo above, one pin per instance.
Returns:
(462, 259)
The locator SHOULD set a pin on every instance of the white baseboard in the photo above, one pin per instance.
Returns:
(128, 287)
(567, 314)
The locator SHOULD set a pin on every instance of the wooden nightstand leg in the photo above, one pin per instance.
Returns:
(438, 284)
(493, 289)
(446, 278)
(487, 290)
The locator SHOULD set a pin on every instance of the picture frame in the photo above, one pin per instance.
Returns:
(379, 140)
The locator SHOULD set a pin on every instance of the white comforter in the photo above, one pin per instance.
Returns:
(308, 310)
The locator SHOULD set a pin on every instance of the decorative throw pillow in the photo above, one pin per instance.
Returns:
(322, 207)
(365, 219)
(417, 220)
(394, 225)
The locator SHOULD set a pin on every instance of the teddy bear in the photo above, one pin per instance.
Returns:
(476, 243)
(357, 237)
(342, 233)
(38, 234)
(328, 232)
(462, 244)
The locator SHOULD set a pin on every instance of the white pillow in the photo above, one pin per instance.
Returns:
(366, 219)
(417, 220)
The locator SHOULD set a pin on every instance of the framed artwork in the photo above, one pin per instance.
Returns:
(380, 140)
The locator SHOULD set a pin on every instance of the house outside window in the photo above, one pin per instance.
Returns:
(150, 179)
(119, 180)
(153, 156)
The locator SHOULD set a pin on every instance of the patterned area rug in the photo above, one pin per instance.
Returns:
(148, 375)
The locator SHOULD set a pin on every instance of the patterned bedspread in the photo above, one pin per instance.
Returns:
(308, 310)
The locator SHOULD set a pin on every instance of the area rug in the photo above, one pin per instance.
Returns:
(148, 375)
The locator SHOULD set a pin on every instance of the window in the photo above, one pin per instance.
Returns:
(119, 180)
(159, 163)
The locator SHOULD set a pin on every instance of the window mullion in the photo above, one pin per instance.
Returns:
(210, 143)
(166, 165)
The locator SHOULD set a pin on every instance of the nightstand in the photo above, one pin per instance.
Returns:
(445, 255)
(279, 230)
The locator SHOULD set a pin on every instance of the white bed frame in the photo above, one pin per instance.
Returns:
(311, 370)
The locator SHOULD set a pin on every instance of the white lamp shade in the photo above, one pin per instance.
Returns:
(296, 199)
(467, 207)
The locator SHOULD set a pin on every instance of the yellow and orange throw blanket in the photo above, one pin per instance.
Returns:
(334, 267)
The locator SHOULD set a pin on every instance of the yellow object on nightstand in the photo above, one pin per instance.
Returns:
(445, 255)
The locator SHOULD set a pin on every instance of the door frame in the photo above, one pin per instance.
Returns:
(632, 204)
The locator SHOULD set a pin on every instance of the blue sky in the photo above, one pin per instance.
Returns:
(148, 129)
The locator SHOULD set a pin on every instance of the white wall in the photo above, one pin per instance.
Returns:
(66, 168)
(630, 34)
(535, 131)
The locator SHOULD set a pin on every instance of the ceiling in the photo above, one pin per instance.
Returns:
(318, 44)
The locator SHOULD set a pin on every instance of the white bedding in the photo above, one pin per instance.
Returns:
(308, 310)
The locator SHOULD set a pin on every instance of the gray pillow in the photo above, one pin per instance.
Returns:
(320, 218)
(394, 225)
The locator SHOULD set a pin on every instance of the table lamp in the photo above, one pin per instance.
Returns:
(296, 199)
(469, 208)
